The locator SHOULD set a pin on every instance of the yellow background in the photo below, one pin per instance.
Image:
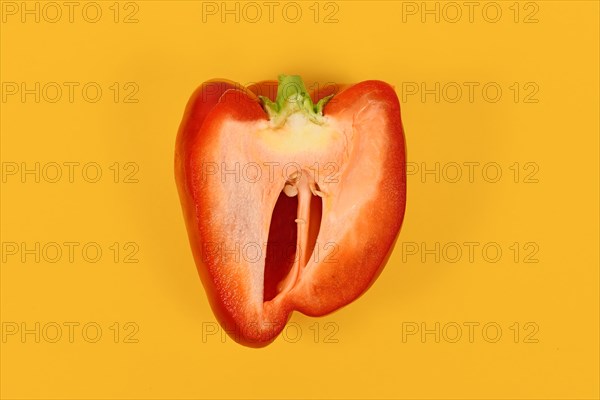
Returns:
(167, 54)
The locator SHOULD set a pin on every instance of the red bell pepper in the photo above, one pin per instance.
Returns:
(291, 202)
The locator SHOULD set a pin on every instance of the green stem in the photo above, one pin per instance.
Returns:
(292, 97)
